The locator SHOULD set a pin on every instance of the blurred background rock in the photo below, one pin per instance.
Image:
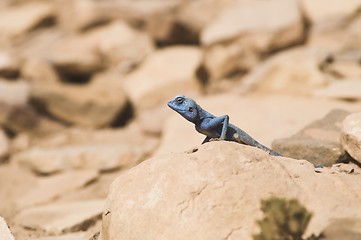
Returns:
(84, 86)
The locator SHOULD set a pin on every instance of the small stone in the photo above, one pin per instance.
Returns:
(59, 218)
(318, 142)
(5, 233)
(52, 187)
(351, 135)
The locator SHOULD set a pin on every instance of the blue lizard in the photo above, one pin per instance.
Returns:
(213, 126)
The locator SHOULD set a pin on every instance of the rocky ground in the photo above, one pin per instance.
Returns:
(89, 149)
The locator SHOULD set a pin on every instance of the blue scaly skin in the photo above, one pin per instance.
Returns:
(213, 126)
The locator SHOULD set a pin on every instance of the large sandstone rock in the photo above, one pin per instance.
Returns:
(318, 142)
(94, 50)
(295, 71)
(59, 218)
(5, 233)
(215, 193)
(265, 118)
(18, 20)
(92, 105)
(262, 26)
(164, 74)
(351, 135)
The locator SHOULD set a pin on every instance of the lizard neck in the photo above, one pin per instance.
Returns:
(202, 114)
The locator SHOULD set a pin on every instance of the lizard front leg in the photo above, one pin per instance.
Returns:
(216, 122)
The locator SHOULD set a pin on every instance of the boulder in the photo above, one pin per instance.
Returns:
(153, 83)
(295, 71)
(92, 105)
(351, 135)
(5, 233)
(16, 21)
(56, 218)
(262, 27)
(206, 194)
(94, 50)
(318, 142)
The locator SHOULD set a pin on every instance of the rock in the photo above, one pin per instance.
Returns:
(261, 19)
(92, 105)
(19, 20)
(284, 114)
(345, 229)
(98, 157)
(14, 93)
(145, 84)
(4, 145)
(348, 89)
(326, 14)
(58, 218)
(39, 71)
(5, 233)
(9, 65)
(15, 182)
(295, 71)
(344, 64)
(70, 236)
(96, 49)
(237, 48)
(318, 142)
(49, 188)
(351, 135)
(215, 200)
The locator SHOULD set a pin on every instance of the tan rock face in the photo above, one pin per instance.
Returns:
(210, 194)
(318, 142)
(144, 84)
(16, 21)
(261, 27)
(5, 233)
(351, 135)
(61, 217)
(296, 72)
(94, 105)
(348, 89)
(9, 64)
(4, 145)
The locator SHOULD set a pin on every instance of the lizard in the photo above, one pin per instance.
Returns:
(212, 126)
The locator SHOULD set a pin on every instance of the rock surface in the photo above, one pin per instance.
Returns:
(343, 89)
(4, 145)
(345, 229)
(61, 217)
(143, 85)
(5, 233)
(318, 142)
(351, 135)
(207, 194)
(53, 187)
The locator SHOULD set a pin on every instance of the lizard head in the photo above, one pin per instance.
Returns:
(186, 107)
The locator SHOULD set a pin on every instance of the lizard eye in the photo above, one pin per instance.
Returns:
(190, 109)
(180, 100)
